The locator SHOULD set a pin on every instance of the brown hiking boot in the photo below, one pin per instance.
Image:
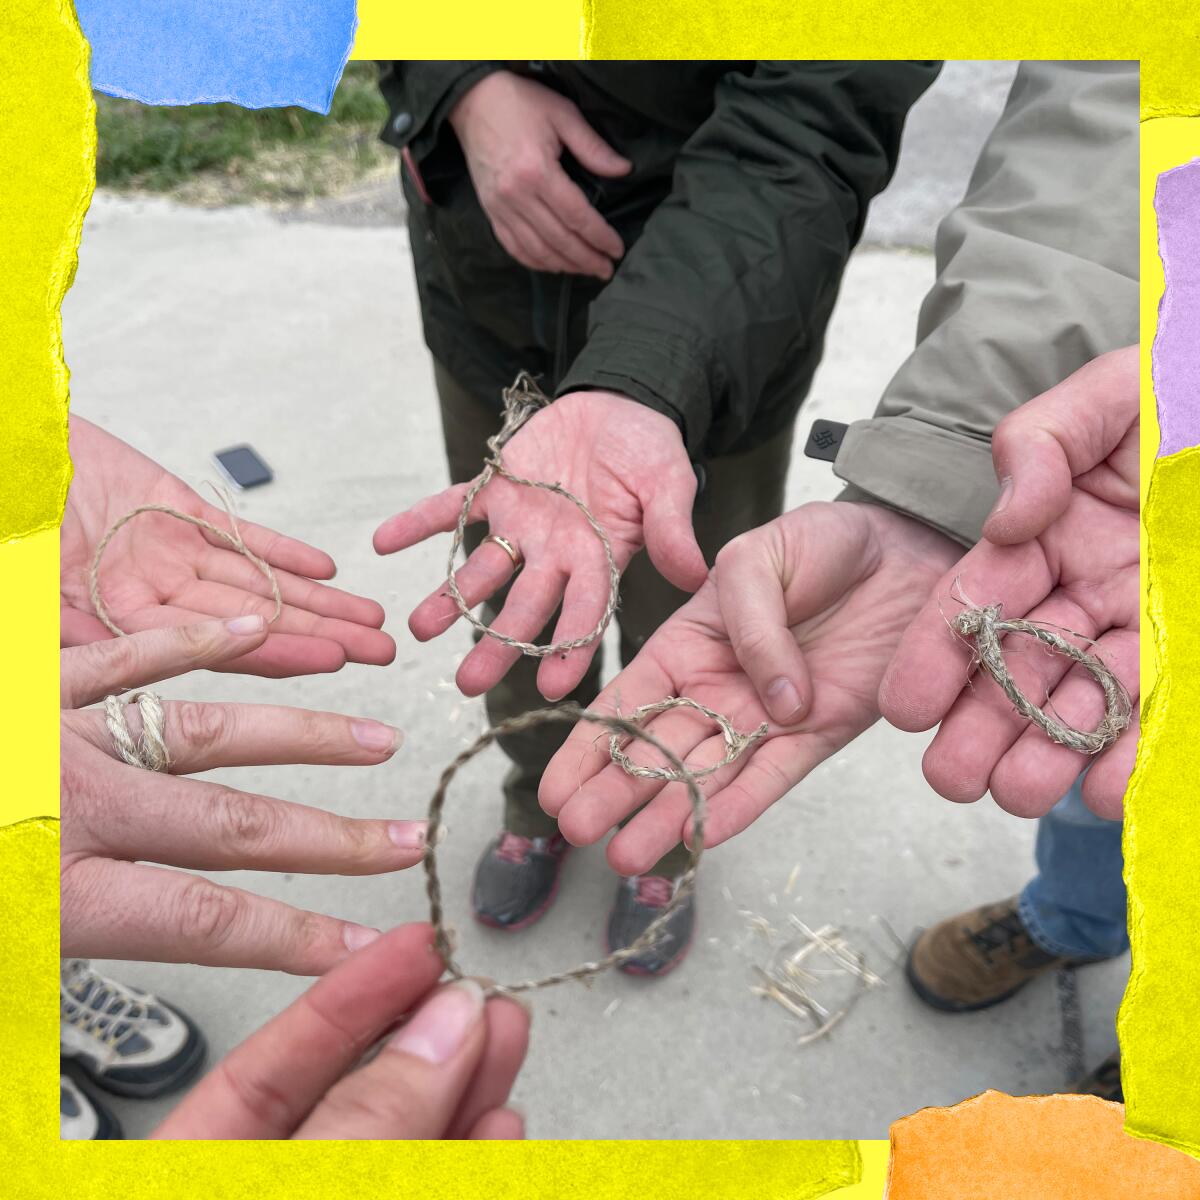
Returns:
(976, 959)
(1104, 1081)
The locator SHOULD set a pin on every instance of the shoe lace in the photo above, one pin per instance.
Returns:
(1002, 932)
(513, 848)
(654, 891)
(101, 1007)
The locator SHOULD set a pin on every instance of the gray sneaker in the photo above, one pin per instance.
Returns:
(123, 1039)
(82, 1118)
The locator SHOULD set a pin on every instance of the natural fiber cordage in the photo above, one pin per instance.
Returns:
(150, 750)
(231, 535)
(735, 743)
(984, 627)
(521, 401)
(617, 726)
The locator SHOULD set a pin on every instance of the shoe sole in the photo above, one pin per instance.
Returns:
(534, 916)
(961, 1006)
(189, 1067)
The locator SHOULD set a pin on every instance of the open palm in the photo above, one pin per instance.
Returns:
(1060, 548)
(160, 571)
(628, 464)
(833, 587)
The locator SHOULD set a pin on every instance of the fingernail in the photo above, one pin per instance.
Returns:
(1005, 494)
(375, 735)
(442, 1024)
(782, 699)
(358, 936)
(244, 625)
(408, 835)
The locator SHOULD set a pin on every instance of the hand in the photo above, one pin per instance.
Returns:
(1061, 547)
(446, 1073)
(628, 464)
(513, 133)
(795, 627)
(160, 571)
(117, 818)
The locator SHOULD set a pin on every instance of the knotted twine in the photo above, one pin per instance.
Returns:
(984, 626)
(617, 725)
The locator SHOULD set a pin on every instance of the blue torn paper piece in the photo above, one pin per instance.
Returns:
(256, 53)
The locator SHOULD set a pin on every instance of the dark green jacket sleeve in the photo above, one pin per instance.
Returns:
(1037, 275)
(738, 269)
(419, 97)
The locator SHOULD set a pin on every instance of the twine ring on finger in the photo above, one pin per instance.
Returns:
(150, 750)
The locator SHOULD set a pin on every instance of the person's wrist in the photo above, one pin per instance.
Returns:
(464, 108)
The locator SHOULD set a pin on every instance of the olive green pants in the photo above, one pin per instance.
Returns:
(741, 491)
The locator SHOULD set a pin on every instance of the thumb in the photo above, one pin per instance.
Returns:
(1035, 484)
(88, 673)
(667, 530)
(592, 151)
(750, 591)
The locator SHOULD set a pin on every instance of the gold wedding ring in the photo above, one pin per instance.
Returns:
(508, 549)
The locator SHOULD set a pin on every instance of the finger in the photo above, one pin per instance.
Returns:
(320, 599)
(507, 1023)
(982, 725)
(535, 250)
(581, 258)
(77, 628)
(1104, 786)
(434, 514)
(361, 643)
(282, 552)
(1037, 772)
(592, 151)
(201, 737)
(1064, 432)
(765, 775)
(667, 528)
(933, 663)
(502, 1124)
(584, 601)
(568, 201)
(585, 752)
(604, 801)
(531, 602)
(524, 245)
(272, 1081)
(206, 826)
(129, 910)
(750, 590)
(91, 672)
(413, 1087)
(486, 570)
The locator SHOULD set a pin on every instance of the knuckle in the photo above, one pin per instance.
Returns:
(246, 822)
(258, 1095)
(381, 1095)
(207, 911)
(194, 640)
(201, 727)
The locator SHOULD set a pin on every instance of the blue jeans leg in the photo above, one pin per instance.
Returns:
(1075, 904)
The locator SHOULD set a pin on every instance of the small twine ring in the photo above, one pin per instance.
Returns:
(150, 750)
(735, 743)
(984, 626)
(571, 713)
(508, 548)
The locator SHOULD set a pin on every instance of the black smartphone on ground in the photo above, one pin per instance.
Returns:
(242, 466)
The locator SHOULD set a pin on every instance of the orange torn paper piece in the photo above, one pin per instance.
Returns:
(994, 1147)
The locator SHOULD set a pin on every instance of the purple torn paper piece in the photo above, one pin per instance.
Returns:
(263, 54)
(1176, 354)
